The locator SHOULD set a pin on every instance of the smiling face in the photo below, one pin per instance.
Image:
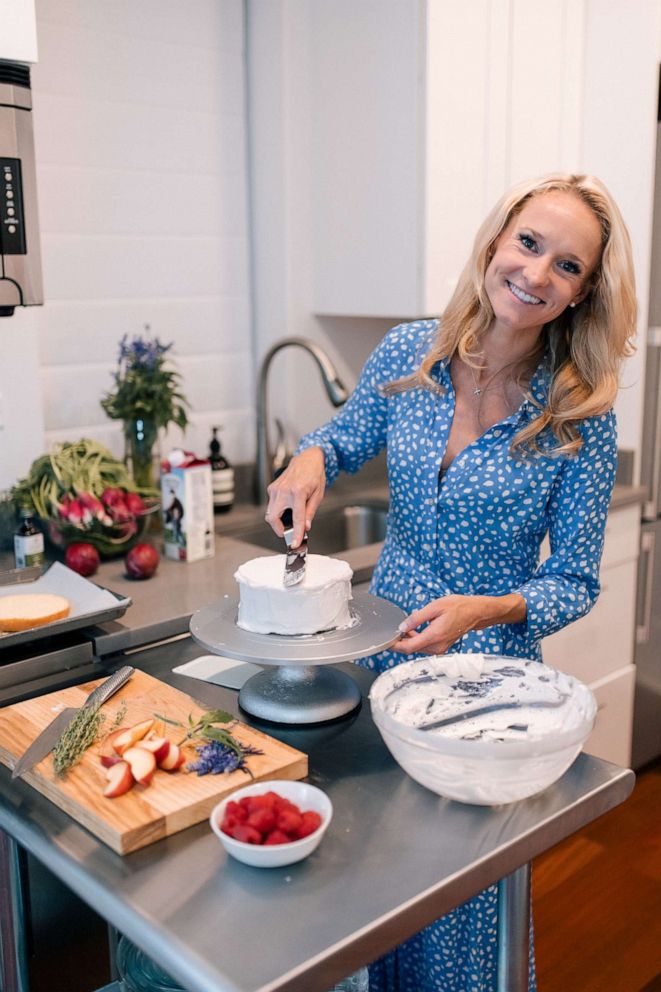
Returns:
(543, 261)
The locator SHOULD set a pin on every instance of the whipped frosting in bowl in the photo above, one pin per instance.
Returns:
(482, 729)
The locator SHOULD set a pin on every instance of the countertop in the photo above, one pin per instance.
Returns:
(395, 857)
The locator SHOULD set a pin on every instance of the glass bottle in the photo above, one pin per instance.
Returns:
(28, 541)
(222, 476)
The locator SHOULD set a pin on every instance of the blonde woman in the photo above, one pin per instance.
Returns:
(498, 424)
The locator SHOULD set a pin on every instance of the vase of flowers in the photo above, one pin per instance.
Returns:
(146, 398)
(141, 450)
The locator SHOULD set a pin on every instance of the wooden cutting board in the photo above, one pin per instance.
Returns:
(172, 801)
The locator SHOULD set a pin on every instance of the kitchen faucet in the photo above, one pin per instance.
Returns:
(335, 389)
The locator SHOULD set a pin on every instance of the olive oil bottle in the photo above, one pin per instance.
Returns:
(28, 541)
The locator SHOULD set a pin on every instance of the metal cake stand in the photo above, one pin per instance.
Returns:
(299, 686)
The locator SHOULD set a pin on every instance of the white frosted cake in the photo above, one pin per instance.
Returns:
(319, 602)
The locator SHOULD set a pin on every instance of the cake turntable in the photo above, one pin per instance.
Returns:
(299, 686)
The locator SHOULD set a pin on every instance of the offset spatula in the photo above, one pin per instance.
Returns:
(296, 557)
(50, 735)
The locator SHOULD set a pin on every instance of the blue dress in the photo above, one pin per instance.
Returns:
(476, 532)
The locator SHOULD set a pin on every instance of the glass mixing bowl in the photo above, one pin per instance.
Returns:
(482, 729)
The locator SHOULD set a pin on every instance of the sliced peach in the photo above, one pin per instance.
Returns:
(120, 780)
(108, 760)
(142, 762)
(107, 753)
(159, 746)
(131, 735)
(174, 759)
(158, 730)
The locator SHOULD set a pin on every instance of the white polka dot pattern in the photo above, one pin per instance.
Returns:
(478, 532)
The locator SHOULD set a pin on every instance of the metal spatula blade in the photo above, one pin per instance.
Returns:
(296, 557)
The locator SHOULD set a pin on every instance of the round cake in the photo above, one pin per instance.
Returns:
(319, 602)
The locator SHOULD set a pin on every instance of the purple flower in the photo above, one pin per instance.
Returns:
(142, 354)
(216, 758)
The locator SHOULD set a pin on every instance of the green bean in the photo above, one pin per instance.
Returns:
(71, 468)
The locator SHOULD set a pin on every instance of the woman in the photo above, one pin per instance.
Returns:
(498, 425)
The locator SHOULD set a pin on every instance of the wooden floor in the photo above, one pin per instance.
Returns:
(597, 901)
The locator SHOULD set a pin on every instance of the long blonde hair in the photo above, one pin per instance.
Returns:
(587, 343)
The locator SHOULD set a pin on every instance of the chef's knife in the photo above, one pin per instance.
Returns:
(51, 734)
(295, 564)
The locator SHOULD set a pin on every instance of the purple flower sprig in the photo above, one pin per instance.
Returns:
(219, 751)
(145, 389)
(140, 353)
(216, 758)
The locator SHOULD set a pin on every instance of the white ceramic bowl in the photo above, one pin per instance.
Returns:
(533, 724)
(305, 796)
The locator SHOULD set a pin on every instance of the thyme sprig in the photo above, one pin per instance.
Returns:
(75, 740)
(83, 730)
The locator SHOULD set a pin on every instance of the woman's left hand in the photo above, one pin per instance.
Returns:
(450, 617)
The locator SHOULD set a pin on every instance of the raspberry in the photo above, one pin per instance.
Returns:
(237, 811)
(262, 820)
(290, 821)
(228, 824)
(247, 834)
(253, 803)
(276, 837)
(310, 821)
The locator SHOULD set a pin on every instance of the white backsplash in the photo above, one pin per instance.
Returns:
(140, 145)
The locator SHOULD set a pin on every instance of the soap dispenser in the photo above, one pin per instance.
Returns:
(222, 476)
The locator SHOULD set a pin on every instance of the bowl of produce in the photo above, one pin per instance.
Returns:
(482, 729)
(80, 493)
(271, 824)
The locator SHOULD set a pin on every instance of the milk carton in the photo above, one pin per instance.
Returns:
(187, 507)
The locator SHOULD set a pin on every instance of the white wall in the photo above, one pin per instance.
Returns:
(141, 168)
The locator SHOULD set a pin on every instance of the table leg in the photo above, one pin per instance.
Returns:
(13, 957)
(113, 940)
(514, 930)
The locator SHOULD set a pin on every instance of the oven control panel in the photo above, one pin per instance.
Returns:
(12, 222)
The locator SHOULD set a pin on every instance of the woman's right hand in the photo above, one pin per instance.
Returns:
(301, 486)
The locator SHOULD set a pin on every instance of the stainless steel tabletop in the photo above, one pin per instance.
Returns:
(395, 857)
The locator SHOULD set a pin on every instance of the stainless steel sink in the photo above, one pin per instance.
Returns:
(333, 530)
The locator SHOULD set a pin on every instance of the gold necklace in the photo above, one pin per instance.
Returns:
(477, 389)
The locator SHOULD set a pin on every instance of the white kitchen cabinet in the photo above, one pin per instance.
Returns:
(423, 113)
(598, 648)
(18, 38)
(611, 737)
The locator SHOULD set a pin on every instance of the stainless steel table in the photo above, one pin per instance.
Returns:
(395, 858)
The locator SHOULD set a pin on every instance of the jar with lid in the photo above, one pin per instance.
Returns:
(28, 541)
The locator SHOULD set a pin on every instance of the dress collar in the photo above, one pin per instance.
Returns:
(539, 385)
